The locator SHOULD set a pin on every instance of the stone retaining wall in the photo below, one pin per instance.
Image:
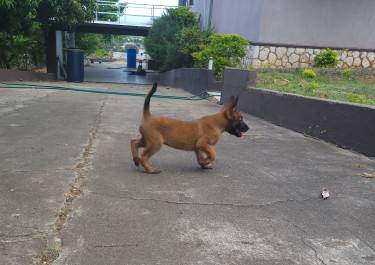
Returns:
(284, 57)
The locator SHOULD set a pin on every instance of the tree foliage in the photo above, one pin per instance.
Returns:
(193, 40)
(65, 14)
(113, 6)
(88, 42)
(25, 23)
(16, 17)
(16, 24)
(168, 41)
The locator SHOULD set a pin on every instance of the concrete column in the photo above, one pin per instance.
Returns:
(51, 52)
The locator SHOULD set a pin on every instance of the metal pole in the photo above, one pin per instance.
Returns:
(96, 12)
(125, 14)
(118, 12)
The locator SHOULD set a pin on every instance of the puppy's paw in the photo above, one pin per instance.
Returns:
(136, 161)
(207, 166)
(155, 171)
(203, 163)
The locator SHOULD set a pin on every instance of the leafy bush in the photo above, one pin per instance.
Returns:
(326, 59)
(309, 87)
(100, 53)
(226, 51)
(309, 73)
(164, 39)
(347, 73)
(350, 74)
(194, 39)
(361, 99)
(283, 85)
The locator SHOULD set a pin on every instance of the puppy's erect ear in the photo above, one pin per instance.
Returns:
(235, 104)
(230, 107)
(230, 102)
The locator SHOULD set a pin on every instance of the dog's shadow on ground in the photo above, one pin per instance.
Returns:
(184, 170)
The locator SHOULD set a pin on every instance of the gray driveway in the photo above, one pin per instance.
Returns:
(117, 73)
(68, 184)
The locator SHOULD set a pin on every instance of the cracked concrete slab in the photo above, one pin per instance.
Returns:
(260, 203)
(40, 143)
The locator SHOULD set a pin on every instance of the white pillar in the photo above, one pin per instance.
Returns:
(59, 52)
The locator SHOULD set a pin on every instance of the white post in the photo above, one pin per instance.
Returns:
(59, 52)
(210, 62)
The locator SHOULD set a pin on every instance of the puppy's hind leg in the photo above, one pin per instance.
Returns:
(150, 149)
(135, 145)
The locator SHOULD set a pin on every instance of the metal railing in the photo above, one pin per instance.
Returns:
(128, 13)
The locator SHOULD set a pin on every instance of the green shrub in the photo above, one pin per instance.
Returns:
(361, 99)
(326, 59)
(309, 87)
(226, 51)
(309, 73)
(347, 73)
(283, 85)
(100, 53)
(251, 67)
(350, 74)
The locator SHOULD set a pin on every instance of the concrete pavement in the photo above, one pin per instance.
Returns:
(67, 176)
(116, 72)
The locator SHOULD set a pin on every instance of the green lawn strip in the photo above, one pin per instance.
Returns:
(331, 85)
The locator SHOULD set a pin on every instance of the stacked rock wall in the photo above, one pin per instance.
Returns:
(284, 57)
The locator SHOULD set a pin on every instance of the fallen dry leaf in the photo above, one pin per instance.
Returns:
(367, 175)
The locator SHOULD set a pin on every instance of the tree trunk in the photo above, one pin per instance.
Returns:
(4, 60)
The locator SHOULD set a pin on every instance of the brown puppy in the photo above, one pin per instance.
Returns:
(198, 135)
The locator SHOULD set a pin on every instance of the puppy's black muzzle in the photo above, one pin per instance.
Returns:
(239, 129)
(243, 126)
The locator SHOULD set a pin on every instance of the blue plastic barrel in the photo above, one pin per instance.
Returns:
(132, 58)
(75, 67)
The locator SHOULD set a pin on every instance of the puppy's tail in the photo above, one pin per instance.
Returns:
(146, 105)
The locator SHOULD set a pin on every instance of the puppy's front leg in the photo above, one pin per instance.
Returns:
(210, 153)
(201, 157)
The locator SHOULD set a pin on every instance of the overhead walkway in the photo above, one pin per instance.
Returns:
(123, 18)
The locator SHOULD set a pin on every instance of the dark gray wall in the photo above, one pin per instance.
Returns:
(348, 125)
(311, 23)
(240, 17)
(194, 80)
(333, 23)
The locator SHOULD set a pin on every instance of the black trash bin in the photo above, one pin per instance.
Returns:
(75, 65)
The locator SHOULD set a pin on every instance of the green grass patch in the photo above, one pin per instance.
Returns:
(349, 87)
